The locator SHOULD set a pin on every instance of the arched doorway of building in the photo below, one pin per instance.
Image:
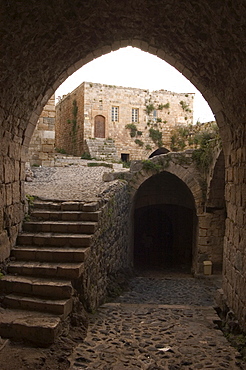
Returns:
(99, 126)
(164, 224)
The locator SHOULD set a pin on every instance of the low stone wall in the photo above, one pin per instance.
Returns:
(108, 261)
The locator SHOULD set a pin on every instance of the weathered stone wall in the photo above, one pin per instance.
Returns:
(42, 145)
(234, 263)
(183, 190)
(12, 173)
(40, 52)
(97, 100)
(69, 123)
(109, 255)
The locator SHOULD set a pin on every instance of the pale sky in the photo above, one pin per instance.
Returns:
(132, 67)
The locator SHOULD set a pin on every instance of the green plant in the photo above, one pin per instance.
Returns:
(133, 129)
(139, 142)
(60, 150)
(139, 133)
(149, 108)
(151, 166)
(159, 120)
(148, 147)
(30, 199)
(86, 156)
(184, 106)
(161, 106)
(156, 136)
(27, 218)
(126, 165)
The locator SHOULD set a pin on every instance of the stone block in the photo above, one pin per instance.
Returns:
(16, 192)
(9, 194)
(1, 171)
(4, 246)
(9, 170)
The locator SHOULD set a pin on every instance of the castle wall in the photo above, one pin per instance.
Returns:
(165, 111)
(69, 128)
(41, 148)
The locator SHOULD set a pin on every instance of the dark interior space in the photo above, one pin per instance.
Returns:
(125, 157)
(163, 237)
(159, 151)
(164, 224)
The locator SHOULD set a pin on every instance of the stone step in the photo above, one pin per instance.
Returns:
(42, 254)
(70, 227)
(66, 206)
(54, 239)
(36, 327)
(49, 270)
(36, 286)
(65, 215)
(61, 307)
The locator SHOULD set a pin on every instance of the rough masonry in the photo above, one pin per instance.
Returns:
(42, 44)
(138, 121)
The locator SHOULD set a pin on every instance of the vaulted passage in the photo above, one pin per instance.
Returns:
(164, 224)
(162, 238)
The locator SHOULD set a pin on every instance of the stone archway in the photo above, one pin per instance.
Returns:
(165, 223)
(159, 151)
(211, 54)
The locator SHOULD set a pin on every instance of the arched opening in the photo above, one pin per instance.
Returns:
(99, 126)
(164, 224)
(211, 61)
(159, 151)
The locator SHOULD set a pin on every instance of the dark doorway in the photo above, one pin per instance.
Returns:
(99, 130)
(164, 224)
(163, 237)
(125, 157)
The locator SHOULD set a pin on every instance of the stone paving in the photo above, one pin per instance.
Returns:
(73, 182)
(162, 322)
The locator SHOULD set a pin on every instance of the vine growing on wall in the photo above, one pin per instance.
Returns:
(74, 129)
(203, 137)
(156, 136)
(185, 106)
(149, 108)
(133, 129)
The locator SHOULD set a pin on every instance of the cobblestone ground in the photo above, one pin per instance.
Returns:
(160, 323)
(68, 183)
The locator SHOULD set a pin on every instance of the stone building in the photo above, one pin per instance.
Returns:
(137, 121)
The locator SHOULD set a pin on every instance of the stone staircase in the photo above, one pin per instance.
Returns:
(102, 149)
(38, 291)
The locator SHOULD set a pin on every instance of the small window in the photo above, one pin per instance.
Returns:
(155, 115)
(135, 115)
(115, 114)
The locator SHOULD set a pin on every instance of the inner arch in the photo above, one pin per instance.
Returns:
(164, 224)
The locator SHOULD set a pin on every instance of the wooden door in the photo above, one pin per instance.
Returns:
(99, 128)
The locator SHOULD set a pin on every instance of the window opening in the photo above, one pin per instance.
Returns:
(125, 157)
(135, 114)
(115, 114)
